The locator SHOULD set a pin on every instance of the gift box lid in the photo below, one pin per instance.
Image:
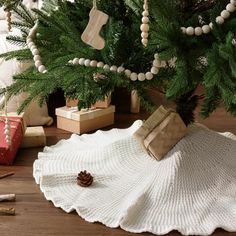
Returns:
(73, 113)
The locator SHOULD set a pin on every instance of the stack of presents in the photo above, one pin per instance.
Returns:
(69, 118)
(20, 135)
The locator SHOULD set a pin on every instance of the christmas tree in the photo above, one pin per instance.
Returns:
(195, 39)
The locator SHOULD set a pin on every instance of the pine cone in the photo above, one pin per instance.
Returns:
(84, 179)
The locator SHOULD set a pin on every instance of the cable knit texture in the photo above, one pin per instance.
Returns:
(192, 190)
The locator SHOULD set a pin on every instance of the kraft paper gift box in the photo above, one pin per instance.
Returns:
(161, 132)
(99, 104)
(34, 137)
(8, 152)
(72, 120)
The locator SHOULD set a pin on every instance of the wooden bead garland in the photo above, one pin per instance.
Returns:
(145, 26)
(131, 75)
(7, 127)
(8, 18)
(205, 29)
(35, 52)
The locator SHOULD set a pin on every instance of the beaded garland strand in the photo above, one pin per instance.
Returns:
(35, 52)
(145, 26)
(205, 29)
(7, 127)
(132, 75)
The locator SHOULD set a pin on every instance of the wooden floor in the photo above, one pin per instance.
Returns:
(38, 217)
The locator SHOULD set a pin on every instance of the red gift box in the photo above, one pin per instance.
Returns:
(8, 152)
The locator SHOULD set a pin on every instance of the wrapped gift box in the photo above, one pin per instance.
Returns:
(8, 152)
(34, 137)
(99, 104)
(72, 120)
(160, 132)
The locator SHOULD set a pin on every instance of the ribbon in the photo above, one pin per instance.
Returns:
(94, 4)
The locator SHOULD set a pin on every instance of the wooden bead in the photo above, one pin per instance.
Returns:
(93, 63)
(141, 76)
(190, 31)
(100, 64)
(154, 70)
(37, 58)
(87, 62)
(233, 2)
(75, 61)
(128, 73)
(183, 29)
(230, 7)
(38, 63)
(35, 52)
(120, 69)
(145, 20)
(198, 31)
(113, 68)
(144, 42)
(144, 27)
(211, 25)
(29, 40)
(156, 63)
(32, 48)
(31, 44)
(41, 68)
(144, 35)
(220, 20)
(225, 14)
(206, 29)
(133, 76)
(145, 13)
(7, 126)
(149, 76)
(81, 61)
(106, 67)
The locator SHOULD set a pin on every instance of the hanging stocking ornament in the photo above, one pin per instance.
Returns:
(91, 34)
(145, 26)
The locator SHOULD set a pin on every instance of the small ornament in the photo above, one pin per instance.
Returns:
(84, 179)
(91, 34)
(145, 26)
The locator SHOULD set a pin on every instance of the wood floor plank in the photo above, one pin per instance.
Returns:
(35, 216)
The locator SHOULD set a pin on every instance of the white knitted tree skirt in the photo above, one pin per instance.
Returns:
(192, 190)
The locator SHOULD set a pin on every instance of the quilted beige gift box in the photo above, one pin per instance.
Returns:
(160, 132)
